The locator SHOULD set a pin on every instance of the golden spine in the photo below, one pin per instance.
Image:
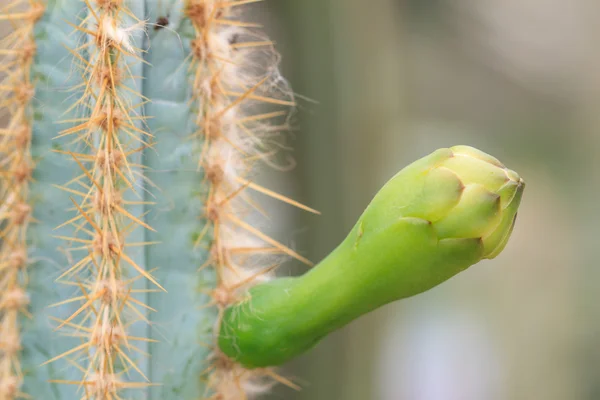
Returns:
(243, 103)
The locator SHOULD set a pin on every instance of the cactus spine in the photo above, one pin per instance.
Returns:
(16, 164)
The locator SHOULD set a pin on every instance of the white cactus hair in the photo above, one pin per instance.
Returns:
(236, 80)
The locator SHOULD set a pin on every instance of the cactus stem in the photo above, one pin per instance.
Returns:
(17, 51)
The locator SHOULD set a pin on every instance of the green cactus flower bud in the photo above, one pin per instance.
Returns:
(435, 218)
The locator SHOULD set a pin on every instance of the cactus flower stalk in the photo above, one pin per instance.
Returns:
(434, 219)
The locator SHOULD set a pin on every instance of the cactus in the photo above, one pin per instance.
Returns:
(144, 151)
(127, 258)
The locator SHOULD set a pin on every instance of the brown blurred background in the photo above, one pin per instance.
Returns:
(394, 80)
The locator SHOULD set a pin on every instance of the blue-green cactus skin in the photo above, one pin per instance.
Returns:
(180, 325)
(53, 74)
(138, 254)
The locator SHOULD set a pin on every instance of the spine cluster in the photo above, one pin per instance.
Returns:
(17, 52)
(104, 144)
(243, 105)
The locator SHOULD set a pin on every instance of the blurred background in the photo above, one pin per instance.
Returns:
(390, 81)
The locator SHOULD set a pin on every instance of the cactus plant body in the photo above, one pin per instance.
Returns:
(129, 267)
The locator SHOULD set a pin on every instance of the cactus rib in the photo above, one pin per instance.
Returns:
(17, 51)
(234, 124)
(105, 144)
